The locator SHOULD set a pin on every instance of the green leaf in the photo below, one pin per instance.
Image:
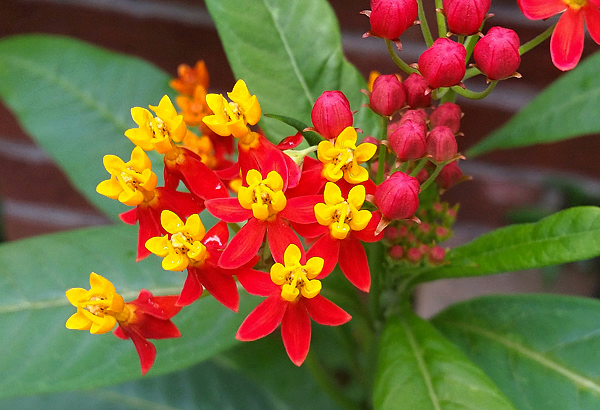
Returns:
(207, 386)
(75, 99)
(419, 369)
(541, 350)
(566, 236)
(288, 53)
(566, 109)
(311, 137)
(38, 354)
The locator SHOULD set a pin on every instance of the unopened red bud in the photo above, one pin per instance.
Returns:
(408, 141)
(438, 208)
(396, 252)
(448, 114)
(449, 175)
(390, 18)
(497, 53)
(398, 196)
(371, 140)
(436, 255)
(331, 114)
(424, 228)
(388, 95)
(418, 115)
(441, 144)
(465, 16)
(443, 64)
(403, 231)
(417, 95)
(414, 255)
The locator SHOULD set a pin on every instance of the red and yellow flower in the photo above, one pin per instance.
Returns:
(293, 299)
(101, 308)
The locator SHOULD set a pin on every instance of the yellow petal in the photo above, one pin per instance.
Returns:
(292, 255)
(78, 321)
(194, 227)
(360, 220)
(323, 213)
(333, 194)
(356, 196)
(260, 211)
(356, 174)
(279, 273)
(165, 109)
(110, 188)
(311, 288)
(314, 266)
(171, 222)
(159, 245)
(365, 152)
(175, 261)
(347, 138)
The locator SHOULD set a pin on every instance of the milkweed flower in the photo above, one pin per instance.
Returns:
(232, 117)
(133, 183)
(101, 308)
(189, 246)
(566, 43)
(343, 158)
(189, 78)
(262, 203)
(293, 298)
(344, 225)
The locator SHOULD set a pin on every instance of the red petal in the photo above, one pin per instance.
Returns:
(325, 312)
(592, 20)
(145, 350)
(291, 142)
(229, 173)
(192, 288)
(309, 230)
(151, 327)
(221, 285)
(244, 245)
(182, 203)
(280, 236)
(311, 183)
(263, 320)
(119, 333)
(228, 209)
(129, 217)
(199, 178)
(257, 283)
(328, 248)
(541, 9)
(162, 307)
(295, 332)
(301, 209)
(217, 236)
(346, 186)
(566, 43)
(368, 234)
(354, 264)
(149, 227)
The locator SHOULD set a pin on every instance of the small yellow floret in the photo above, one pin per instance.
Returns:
(343, 158)
(232, 118)
(157, 133)
(296, 279)
(264, 197)
(98, 309)
(341, 215)
(131, 182)
(183, 247)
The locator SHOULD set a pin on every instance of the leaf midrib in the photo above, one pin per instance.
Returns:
(421, 364)
(579, 380)
(62, 82)
(60, 302)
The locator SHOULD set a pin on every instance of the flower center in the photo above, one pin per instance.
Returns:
(575, 4)
(296, 279)
(263, 196)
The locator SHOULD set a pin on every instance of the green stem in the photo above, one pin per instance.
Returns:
(397, 60)
(441, 20)
(471, 72)
(328, 383)
(474, 95)
(234, 227)
(536, 40)
(424, 25)
(433, 176)
(470, 45)
(448, 96)
(382, 150)
(419, 167)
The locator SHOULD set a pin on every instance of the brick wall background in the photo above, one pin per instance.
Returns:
(37, 198)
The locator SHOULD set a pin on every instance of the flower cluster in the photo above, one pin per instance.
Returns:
(300, 213)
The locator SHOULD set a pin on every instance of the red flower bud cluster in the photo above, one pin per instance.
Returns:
(398, 196)
(388, 95)
(413, 242)
(331, 114)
